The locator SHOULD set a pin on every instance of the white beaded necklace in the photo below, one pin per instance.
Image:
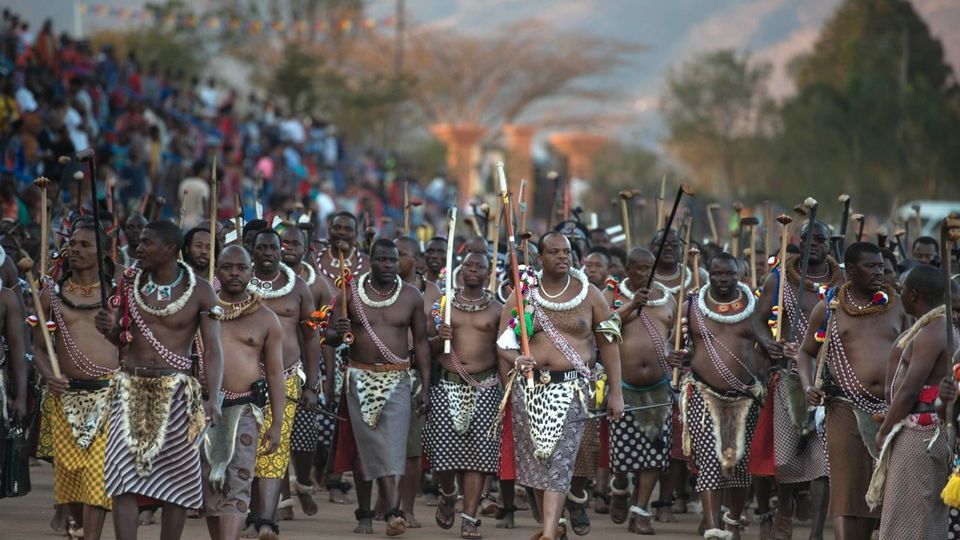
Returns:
(676, 289)
(311, 273)
(375, 303)
(269, 293)
(172, 308)
(665, 297)
(570, 304)
(727, 319)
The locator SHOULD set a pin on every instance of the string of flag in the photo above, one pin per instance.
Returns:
(217, 22)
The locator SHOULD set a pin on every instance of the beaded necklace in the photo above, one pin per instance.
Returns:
(559, 340)
(879, 303)
(177, 361)
(467, 378)
(172, 308)
(235, 310)
(847, 378)
(335, 263)
(657, 340)
(656, 285)
(676, 289)
(485, 300)
(810, 282)
(394, 292)
(311, 273)
(79, 359)
(720, 317)
(358, 303)
(265, 288)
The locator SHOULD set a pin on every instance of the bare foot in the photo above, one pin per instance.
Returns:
(411, 521)
(665, 515)
(364, 526)
(59, 520)
(505, 521)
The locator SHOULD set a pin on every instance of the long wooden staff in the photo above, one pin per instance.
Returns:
(89, 156)
(661, 200)
(677, 334)
(784, 221)
(183, 200)
(811, 204)
(859, 219)
(767, 228)
(949, 232)
(406, 208)
(695, 267)
(712, 221)
(844, 220)
(448, 278)
(214, 196)
(238, 217)
(42, 182)
(495, 232)
(342, 248)
(735, 240)
(752, 222)
(514, 269)
(684, 189)
(42, 321)
(625, 197)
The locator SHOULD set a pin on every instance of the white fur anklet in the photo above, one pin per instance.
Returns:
(717, 534)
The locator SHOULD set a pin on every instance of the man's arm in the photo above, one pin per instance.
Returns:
(273, 368)
(40, 356)
(421, 349)
(893, 360)
(311, 345)
(809, 349)
(762, 314)
(212, 352)
(610, 353)
(925, 350)
(15, 341)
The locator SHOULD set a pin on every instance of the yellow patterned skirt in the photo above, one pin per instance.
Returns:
(45, 437)
(275, 465)
(78, 473)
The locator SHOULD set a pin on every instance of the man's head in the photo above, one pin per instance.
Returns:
(133, 228)
(293, 243)
(266, 251)
(556, 254)
(924, 250)
(342, 227)
(250, 231)
(234, 269)
(81, 250)
(923, 289)
(819, 244)
(435, 254)
(408, 249)
(890, 268)
(618, 262)
(671, 247)
(639, 267)
(863, 263)
(384, 261)
(475, 244)
(597, 266)
(475, 270)
(724, 274)
(599, 238)
(196, 248)
(160, 242)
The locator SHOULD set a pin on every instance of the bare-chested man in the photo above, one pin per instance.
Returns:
(466, 398)
(409, 250)
(383, 312)
(341, 250)
(288, 296)
(548, 418)
(253, 371)
(87, 363)
(722, 396)
(305, 437)
(640, 444)
(132, 229)
(863, 321)
(196, 250)
(435, 255)
(799, 450)
(918, 455)
(162, 305)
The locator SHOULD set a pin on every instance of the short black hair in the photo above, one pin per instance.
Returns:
(927, 280)
(187, 238)
(889, 256)
(438, 239)
(857, 250)
(928, 240)
(548, 234)
(344, 213)
(602, 251)
(254, 225)
(415, 245)
(382, 243)
(806, 226)
(618, 252)
(636, 251)
(724, 256)
(269, 231)
(167, 231)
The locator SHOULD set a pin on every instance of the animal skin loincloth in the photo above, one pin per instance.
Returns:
(728, 415)
(374, 389)
(145, 404)
(462, 403)
(796, 401)
(547, 406)
(85, 412)
(220, 442)
(649, 421)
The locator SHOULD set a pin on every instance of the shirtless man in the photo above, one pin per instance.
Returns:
(596, 266)
(917, 468)
(253, 370)
(799, 452)
(640, 444)
(132, 229)
(568, 312)
(435, 255)
(383, 312)
(722, 395)
(305, 437)
(87, 363)
(288, 296)
(196, 250)
(162, 306)
(862, 327)
(342, 233)
(409, 249)
(466, 398)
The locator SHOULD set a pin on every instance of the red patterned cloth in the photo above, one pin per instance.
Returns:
(763, 461)
(604, 462)
(508, 462)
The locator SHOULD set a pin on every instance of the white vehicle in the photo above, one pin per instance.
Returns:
(931, 216)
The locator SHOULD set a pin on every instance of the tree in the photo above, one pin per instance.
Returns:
(718, 111)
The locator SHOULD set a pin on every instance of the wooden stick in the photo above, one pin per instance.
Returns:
(214, 196)
(695, 267)
(767, 228)
(625, 197)
(448, 278)
(88, 155)
(677, 335)
(735, 240)
(183, 199)
(498, 216)
(660, 202)
(522, 203)
(784, 221)
(42, 321)
(42, 182)
(752, 222)
(712, 221)
(681, 191)
(344, 277)
(238, 217)
(514, 268)
(811, 204)
(406, 208)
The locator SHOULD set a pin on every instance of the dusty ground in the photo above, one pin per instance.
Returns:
(28, 518)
